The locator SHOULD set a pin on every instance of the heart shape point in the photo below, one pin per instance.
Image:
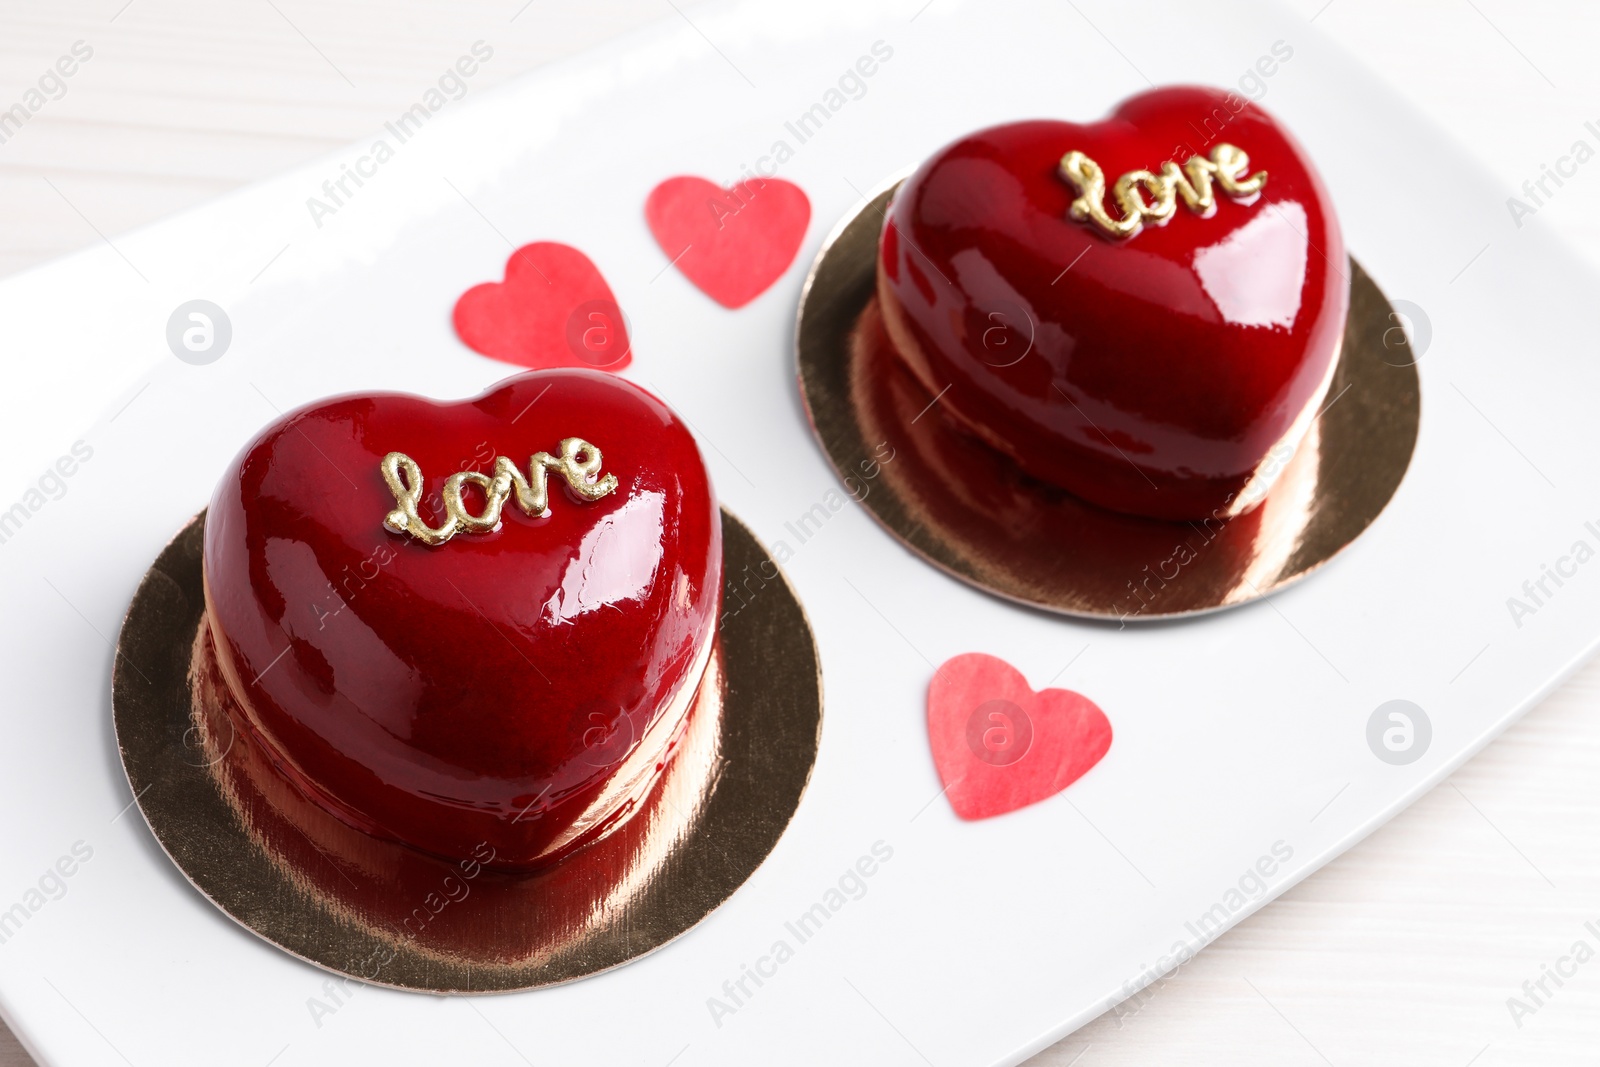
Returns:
(1161, 368)
(731, 243)
(998, 745)
(554, 309)
(513, 688)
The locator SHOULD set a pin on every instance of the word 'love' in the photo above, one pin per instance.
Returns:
(578, 464)
(1192, 182)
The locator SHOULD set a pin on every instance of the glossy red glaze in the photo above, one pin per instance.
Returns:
(486, 690)
(1160, 369)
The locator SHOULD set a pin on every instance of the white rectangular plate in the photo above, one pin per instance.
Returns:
(977, 943)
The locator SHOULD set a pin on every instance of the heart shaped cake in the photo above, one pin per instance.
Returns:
(469, 626)
(1145, 311)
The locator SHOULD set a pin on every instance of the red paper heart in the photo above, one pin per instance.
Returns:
(1152, 374)
(731, 243)
(1000, 746)
(495, 688)
(554, 309)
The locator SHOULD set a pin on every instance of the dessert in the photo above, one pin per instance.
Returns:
(1145, 311)
(476, 628)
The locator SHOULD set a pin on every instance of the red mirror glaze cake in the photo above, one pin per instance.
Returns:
(459, 624)
(1145, 311)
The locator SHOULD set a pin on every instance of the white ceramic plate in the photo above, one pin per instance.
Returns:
(1237, 735)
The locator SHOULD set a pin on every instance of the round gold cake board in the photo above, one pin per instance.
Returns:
(968, 510)
(383, 913)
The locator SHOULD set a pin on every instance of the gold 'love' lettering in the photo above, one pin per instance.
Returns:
(1192, 182)
(578, 464)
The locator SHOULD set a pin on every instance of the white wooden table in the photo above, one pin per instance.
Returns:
(1403, 951)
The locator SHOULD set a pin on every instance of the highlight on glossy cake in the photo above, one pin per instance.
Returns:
(475, 628)
(1145, 311)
